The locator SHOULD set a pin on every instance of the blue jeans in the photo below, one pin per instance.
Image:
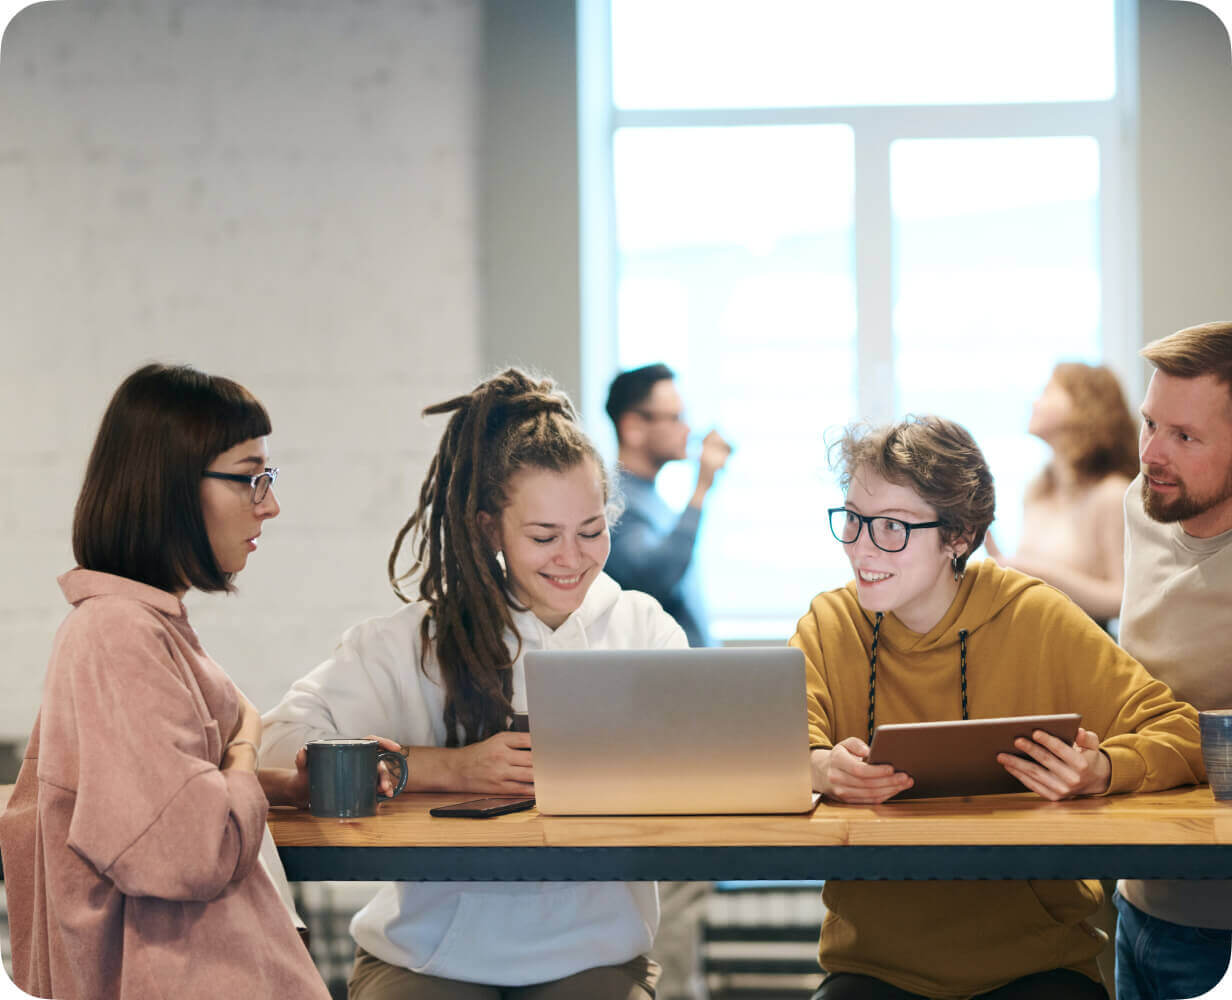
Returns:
(1160, 960)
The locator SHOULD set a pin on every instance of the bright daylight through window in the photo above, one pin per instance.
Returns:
(819, 212)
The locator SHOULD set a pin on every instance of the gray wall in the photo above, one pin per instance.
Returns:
(1184, 160)
(356, 207)
(281, 192)
(529, 294)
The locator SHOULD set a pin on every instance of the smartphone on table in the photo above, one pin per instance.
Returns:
(483, 808)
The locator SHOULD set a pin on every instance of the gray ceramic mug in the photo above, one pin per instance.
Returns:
(1216, 729)
(342, 776)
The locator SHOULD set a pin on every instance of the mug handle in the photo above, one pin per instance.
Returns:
(403, 770)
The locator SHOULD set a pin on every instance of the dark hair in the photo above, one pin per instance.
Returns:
(509, 422)
(139, 511)
(1103, 438)
(1197, 350)
(630, 389)
(936, 458)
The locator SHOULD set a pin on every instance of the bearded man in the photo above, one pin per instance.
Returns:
(1176, 619)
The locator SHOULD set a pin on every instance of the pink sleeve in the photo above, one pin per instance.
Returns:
(152, 811)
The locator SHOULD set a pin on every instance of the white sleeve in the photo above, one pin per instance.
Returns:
(372, 685)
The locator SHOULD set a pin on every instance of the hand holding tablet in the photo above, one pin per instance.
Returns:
(844, 774)
(1048, 754)
(1059, 770)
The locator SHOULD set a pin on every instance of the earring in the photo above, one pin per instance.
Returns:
(956, 567)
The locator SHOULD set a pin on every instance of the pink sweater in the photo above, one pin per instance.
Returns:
(130, 858)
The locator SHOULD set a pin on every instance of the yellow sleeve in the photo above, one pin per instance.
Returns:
(820, 702)
(1150, 737)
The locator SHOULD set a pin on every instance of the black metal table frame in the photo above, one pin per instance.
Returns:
(684, 864)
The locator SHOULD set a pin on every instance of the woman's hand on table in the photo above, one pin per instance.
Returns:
(843, 774)
(499, 765)
(1058, 770)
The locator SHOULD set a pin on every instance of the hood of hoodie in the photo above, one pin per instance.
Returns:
(985, 592)
(573, 633)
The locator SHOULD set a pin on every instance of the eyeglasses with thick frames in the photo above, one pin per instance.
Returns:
(890, 534)
(260, 483)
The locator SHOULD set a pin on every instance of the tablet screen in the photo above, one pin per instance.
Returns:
(960, 758)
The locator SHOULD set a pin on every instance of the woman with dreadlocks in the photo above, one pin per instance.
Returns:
(919, 636)
(509, 538)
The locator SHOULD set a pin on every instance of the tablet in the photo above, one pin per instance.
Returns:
(960, 758)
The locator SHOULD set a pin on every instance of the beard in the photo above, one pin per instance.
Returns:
(1184, 506)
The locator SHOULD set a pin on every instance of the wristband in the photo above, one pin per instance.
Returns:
(256, 751)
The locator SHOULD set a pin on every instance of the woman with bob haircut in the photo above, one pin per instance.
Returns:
(131, 840)
(1073, 533)
(920, 636)
(509, 540)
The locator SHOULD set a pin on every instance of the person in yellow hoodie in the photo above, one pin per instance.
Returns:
(920, 636)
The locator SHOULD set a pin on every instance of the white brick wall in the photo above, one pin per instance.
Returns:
(281, 192)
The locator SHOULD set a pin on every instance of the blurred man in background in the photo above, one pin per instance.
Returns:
(652, 545)
(652, 551)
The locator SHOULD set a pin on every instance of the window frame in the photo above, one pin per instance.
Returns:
(1112, 123)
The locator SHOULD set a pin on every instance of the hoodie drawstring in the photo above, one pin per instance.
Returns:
(872, 677)
(962, 666)
(872, 673)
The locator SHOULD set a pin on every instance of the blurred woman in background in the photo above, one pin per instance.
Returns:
(1073, 533)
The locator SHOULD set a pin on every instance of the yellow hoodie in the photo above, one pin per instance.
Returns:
(1030, 650)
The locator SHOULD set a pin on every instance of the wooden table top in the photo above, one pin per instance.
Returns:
(1181, 833)
(1179, 816)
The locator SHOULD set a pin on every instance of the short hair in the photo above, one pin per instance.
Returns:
(1103, 440)
(139, 511)
(630, 389)
(1205, 349)
(936, 458)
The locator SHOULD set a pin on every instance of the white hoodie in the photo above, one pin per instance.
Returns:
(497, 933)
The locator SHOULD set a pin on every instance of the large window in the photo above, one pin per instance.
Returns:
(820, 212)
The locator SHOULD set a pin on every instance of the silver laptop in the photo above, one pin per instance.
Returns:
(687, 731)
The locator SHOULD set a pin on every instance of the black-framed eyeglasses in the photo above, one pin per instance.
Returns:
(260, 483)
(890, 534)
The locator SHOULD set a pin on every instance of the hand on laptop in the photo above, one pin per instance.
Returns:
(499, 765)
(843, 775)
(1058, 770)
